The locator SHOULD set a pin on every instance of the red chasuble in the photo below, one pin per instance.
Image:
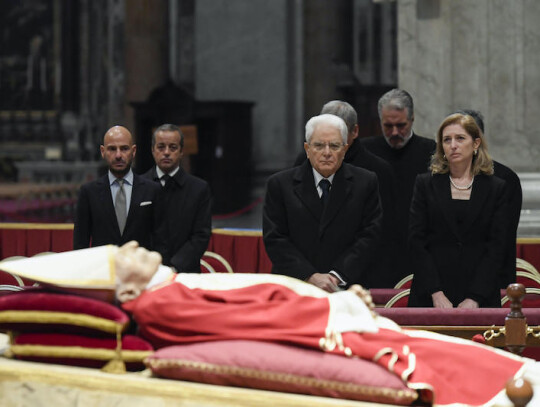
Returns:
(278, 309)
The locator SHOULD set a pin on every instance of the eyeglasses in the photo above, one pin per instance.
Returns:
(322, 146)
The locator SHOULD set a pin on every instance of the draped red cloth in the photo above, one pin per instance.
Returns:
(449, 369)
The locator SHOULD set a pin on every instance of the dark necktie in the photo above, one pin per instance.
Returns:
(166, 178)
(325, 187)
(120, 205)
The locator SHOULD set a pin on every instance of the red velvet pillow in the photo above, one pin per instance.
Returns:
(78, 350)
(271, 366)
(37, 311)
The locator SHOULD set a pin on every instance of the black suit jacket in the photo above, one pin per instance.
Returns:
(461, 260)
(407, 163)
(95, 219)
(385, 269)
(186, 220)
(514, 198)
(302, 239)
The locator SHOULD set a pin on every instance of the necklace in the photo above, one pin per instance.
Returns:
(466, 187)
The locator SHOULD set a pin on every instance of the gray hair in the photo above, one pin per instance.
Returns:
(397, 99)
(168, 127)
(329, 119)
(342, 109)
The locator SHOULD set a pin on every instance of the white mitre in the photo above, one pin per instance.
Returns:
(90, 272)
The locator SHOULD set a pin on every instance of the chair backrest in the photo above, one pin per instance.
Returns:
(527, 278)
(401, 299)
(206, 267)
(526, 266)
(405, 282)
(8, 279)
(531, 299)
(214, 263)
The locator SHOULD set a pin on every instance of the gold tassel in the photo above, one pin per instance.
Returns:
(116, 365)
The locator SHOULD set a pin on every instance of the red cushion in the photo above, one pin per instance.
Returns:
(79, 350)
(277, 367)
(38, 311)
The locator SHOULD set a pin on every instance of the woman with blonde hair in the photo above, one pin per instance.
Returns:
(457, 222)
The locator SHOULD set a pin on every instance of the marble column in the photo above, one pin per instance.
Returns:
(242, 54)
(479, 54)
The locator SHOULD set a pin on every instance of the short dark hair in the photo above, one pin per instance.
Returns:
(168, 127)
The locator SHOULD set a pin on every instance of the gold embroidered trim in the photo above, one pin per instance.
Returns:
(52, 317)
(392, 362)
(332, 340)
(412, 366)
(111, 256)
(381, 353)
(74, 352)
(287, 378)
(40, 226)
(237, 232)
(411, 359)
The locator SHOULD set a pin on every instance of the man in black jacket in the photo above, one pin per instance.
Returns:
(185, 201)
(120, 206)
(514, 198)
(383, 271)
(409, 155)
(321, 220)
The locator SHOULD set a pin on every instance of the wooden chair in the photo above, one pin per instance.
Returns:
(527, 278)
(405, 282)
(8, 280)
(214, 263)
(530, 300)
(401, 299)
(526, 266)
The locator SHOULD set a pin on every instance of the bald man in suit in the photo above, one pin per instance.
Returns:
(120, 206)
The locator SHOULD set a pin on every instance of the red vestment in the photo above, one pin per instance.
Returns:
(456, 371)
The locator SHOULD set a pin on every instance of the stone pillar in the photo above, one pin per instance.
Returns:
(242, 54)
(146, 51)
(327, 52)
(478, 54)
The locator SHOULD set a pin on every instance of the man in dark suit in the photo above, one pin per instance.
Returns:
(514, 198)
(186, 199)
(322, 220)
(119, 206)
(383, 274)
(409, 155)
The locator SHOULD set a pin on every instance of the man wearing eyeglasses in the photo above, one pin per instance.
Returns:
(409, 155)
(186, 203)
(385, 268)
(322, 219)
